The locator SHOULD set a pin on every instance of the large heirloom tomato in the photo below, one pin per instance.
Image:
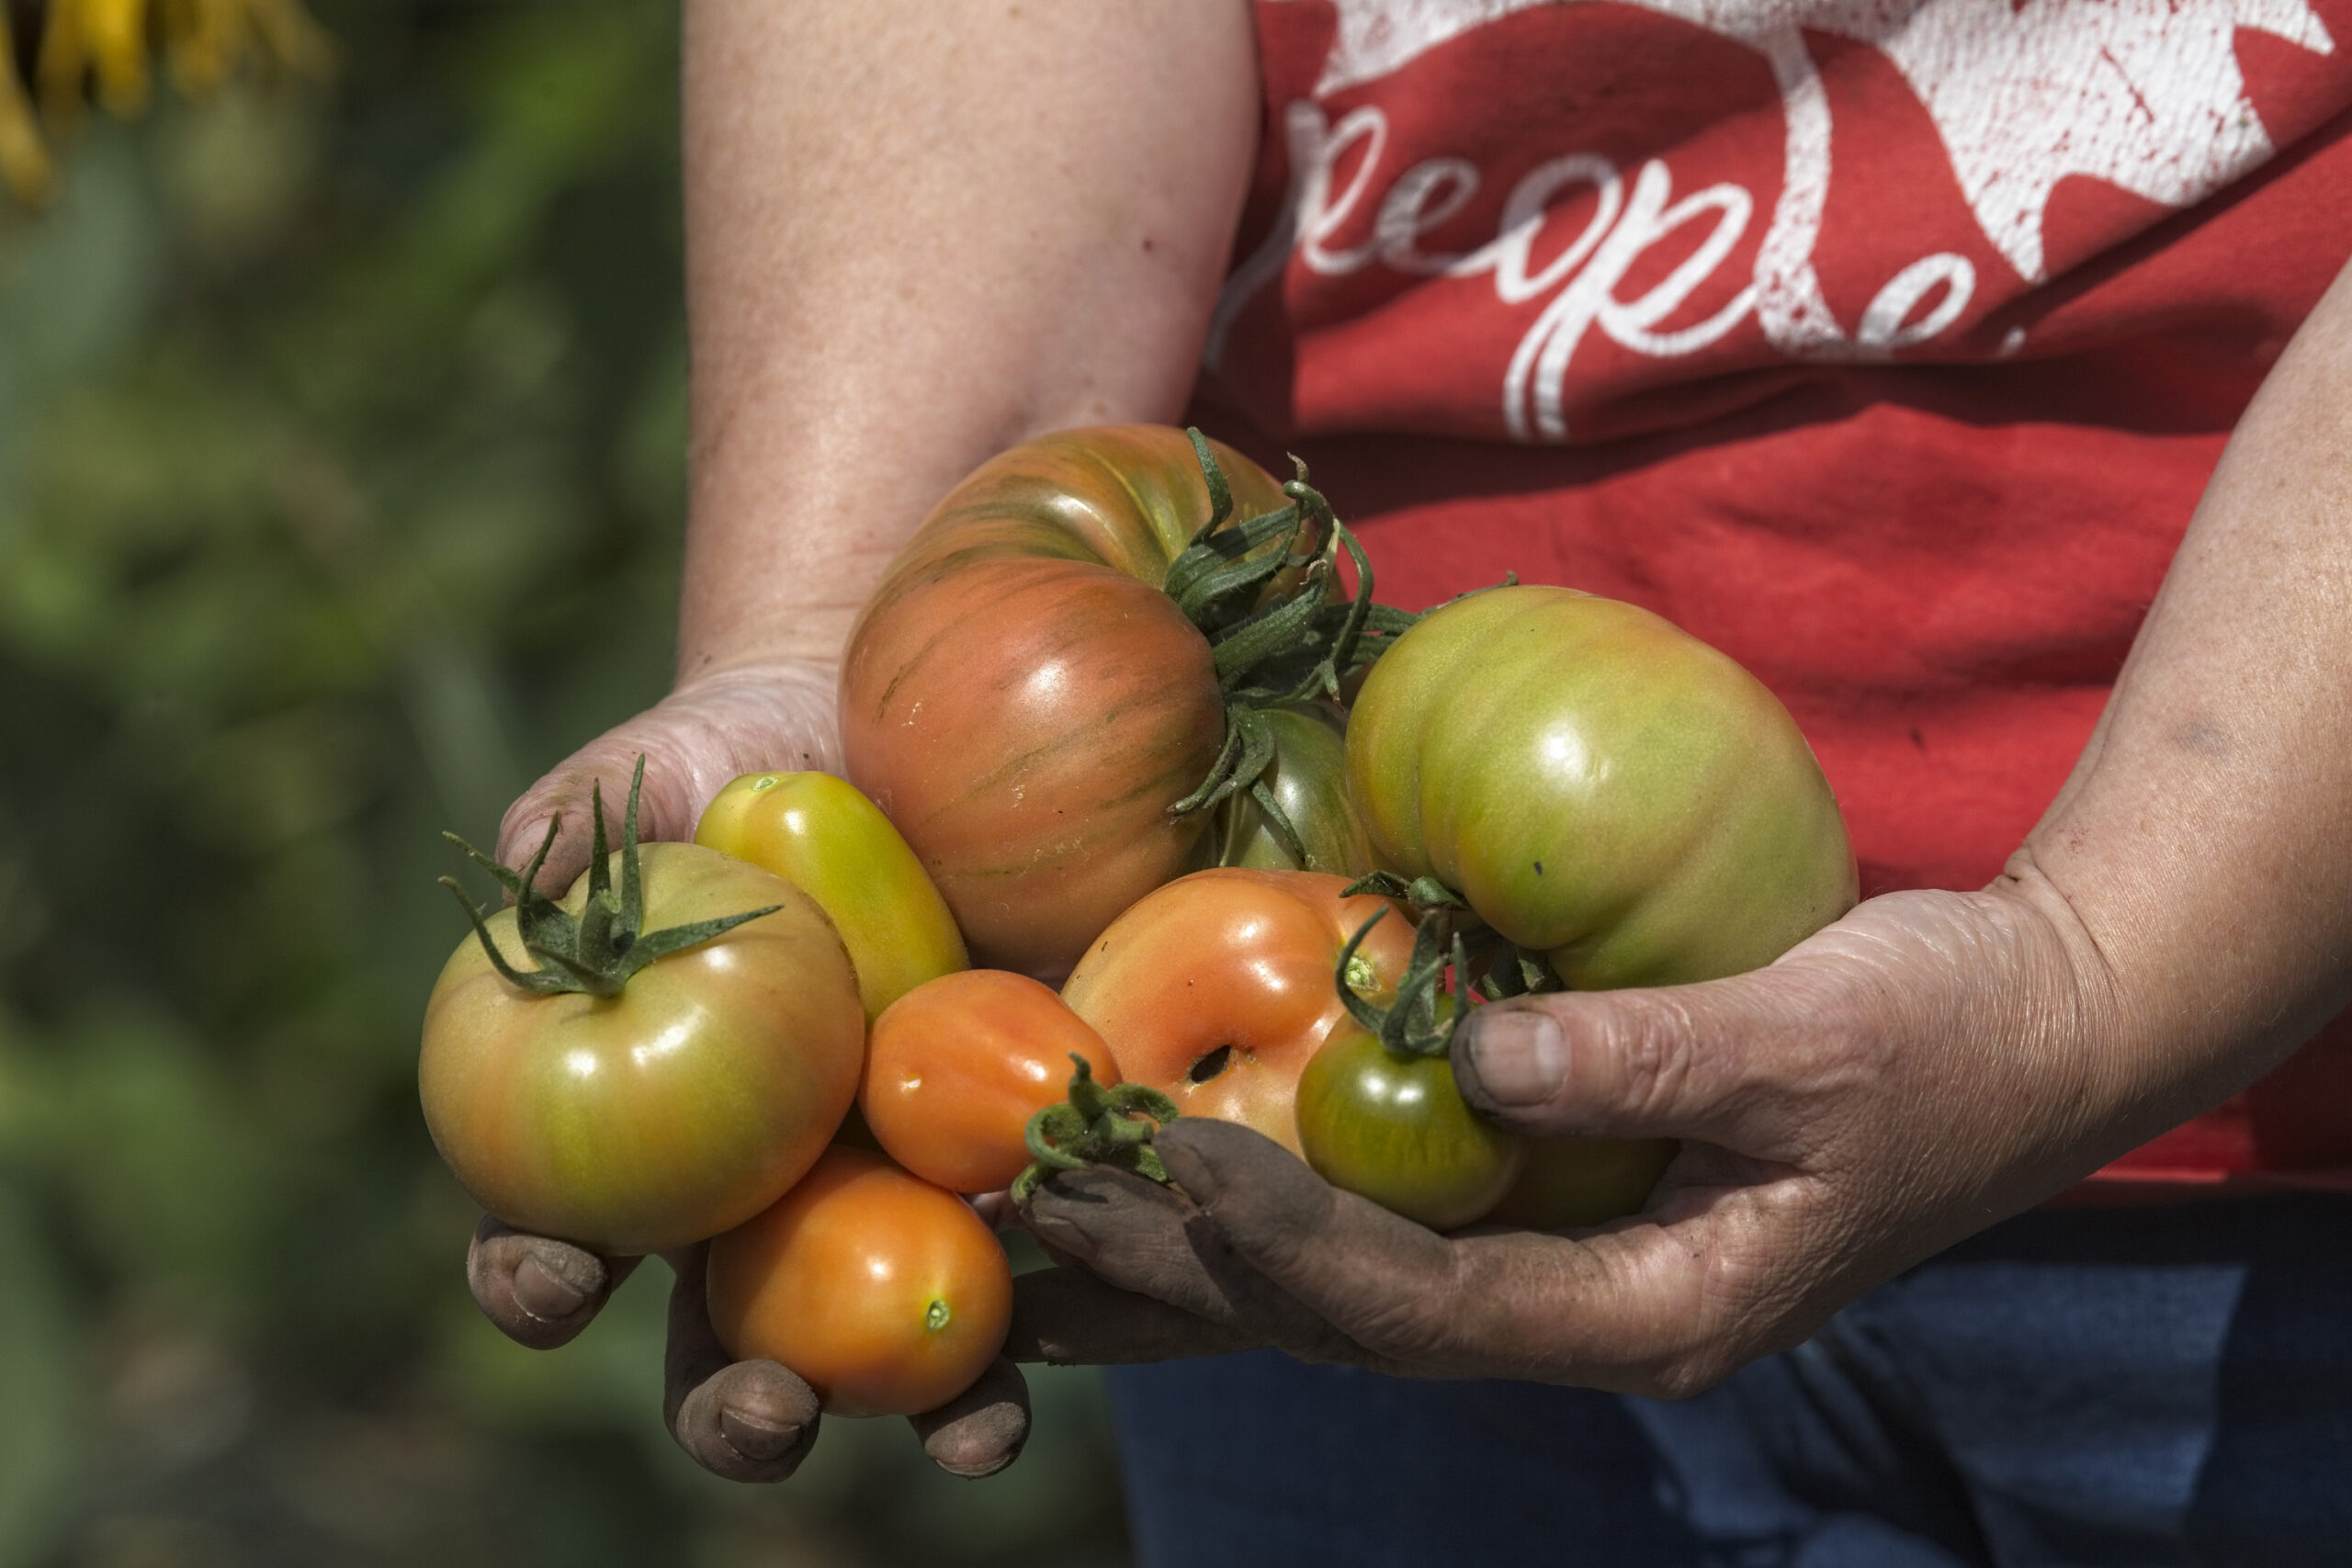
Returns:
(1217, 988)
(955, 1069)
(1026, 702)
(818, 833)
(1605, 789)
(889, 1295)
(677, 1107)
(1599, 786)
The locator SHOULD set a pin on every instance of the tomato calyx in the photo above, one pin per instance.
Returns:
(596, 950)
(1096, 1126)
(1451, 947)
(1293, 646)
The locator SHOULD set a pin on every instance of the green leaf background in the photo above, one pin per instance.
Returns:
(340, 469)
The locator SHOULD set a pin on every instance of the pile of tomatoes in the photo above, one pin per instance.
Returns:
(1113, 721)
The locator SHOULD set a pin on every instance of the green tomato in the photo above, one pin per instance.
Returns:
(1573, 1182)
(1308, 779)
(1396, 1130)
(1599, 786)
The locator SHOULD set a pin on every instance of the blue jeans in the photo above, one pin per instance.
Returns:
(2136, 1386)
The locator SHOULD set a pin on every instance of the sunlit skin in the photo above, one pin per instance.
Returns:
(820, 834)
(1599, 786)
(666, 1115)
(1238, 962)
(889, 1295)
(956, 1069)
(1025, 701)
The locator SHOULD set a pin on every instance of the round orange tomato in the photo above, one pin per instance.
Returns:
(1217, 988)
(956, 1066)
(889, 1295)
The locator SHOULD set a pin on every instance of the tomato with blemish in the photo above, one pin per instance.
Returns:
(1218, 987)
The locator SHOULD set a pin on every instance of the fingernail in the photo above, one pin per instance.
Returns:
(1517, 1055)
(755, 1437)
(544, 1293)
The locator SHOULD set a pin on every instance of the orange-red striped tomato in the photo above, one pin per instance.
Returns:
(1026, 704)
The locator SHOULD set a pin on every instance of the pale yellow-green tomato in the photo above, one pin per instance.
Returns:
(820, 834)
(670, 1112)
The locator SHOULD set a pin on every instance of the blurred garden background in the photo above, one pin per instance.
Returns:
(341, 434)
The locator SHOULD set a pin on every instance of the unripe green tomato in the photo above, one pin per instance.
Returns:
(820, 834)
(1572, 1182)
(1396, 1129)
(1308, 779)
(1599, 786)
(672, 1111)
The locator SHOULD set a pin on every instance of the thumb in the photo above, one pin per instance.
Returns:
(694, 741)
(1713, 1061)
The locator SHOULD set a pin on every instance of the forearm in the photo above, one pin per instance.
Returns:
(2204, 843)
(919, 232)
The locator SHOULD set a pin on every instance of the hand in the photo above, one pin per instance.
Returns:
(743, 1420)
(1928, 1065)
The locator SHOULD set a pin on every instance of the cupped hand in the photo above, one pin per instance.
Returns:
(1928, 1065)
(743, 1420)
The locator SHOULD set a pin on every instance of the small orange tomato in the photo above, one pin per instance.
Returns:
(1218, 990)
(887, 1294)
(956, 1066)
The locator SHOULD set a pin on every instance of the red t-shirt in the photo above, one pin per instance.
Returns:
(1886, 345)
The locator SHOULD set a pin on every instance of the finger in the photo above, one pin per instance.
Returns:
(1068, 1317)
(1648, 1308)
(1719, 1062)
(982, 1429)
(1150, 1240)
(540, 1291)
(741, 1420)
(694, 742)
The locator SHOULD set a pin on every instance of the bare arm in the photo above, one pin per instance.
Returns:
(917, 231)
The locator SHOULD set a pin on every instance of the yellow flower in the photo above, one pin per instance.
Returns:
(107, 42)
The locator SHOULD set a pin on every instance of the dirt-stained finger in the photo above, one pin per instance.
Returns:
(741, 1420)
(1070, 1317)
(982, 1429)
(1152, 1241)
(538, 1291)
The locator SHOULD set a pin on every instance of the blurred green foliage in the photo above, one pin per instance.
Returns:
(341, 468)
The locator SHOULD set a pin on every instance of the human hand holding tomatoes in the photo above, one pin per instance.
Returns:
(1927, 1064)
(744, 1420)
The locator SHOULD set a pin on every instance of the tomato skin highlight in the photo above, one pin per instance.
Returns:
(1568, 1183)
(1024, 702)
(889, 1295)
(666, 1115)
(957, 1067)
(1600, 787)
(820, 834)
(1236, 961)
(1396, 1129)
